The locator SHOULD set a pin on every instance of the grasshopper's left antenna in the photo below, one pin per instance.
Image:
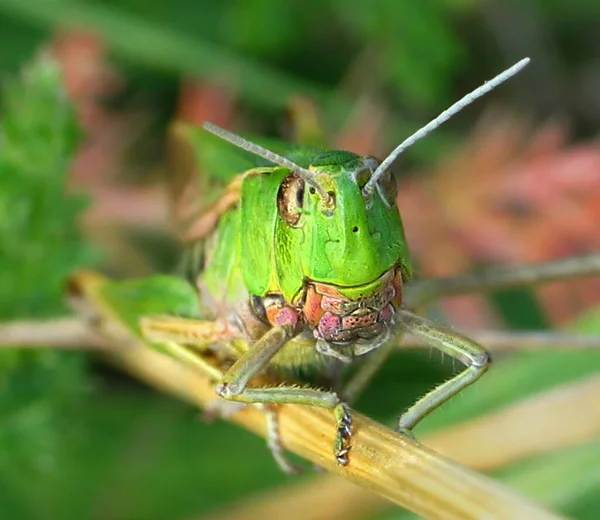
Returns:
(256, 149)
(442, 118)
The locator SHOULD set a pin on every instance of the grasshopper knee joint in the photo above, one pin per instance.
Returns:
(227, 390)
(481, 359)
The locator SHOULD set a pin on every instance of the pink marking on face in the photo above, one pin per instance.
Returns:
(329, 325)
(387, 313)
(332, 304)
(335, 317)
(287, 316)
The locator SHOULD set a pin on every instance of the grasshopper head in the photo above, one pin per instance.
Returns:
(317, 244)
(349, 248)
(336, 249)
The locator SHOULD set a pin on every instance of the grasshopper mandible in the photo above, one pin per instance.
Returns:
(307, 262)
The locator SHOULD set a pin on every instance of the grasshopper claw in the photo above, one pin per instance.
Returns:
(343, 435)
(406, 433)
(226, 390)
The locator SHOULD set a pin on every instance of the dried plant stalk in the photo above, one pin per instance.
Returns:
(51, 333)
(57, 333)
(537, 428)
(560, 417)
(403, 471)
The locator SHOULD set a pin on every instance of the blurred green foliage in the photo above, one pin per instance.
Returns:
(210, 37)
(416, 56)
(40, 238)
(40, 243)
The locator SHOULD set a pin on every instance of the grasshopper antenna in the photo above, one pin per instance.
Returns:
(439, 120)
(275, 158)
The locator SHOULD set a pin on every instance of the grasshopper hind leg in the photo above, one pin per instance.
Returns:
(274, 442)
(172, 333)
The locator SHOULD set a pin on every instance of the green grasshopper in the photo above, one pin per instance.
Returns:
(307, 263)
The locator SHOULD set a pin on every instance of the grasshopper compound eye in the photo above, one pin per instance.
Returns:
(290, 199)
(387, 186)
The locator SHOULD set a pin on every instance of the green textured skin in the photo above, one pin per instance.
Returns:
(255, 252)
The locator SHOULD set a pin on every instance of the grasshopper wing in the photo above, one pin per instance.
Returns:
(203, 179)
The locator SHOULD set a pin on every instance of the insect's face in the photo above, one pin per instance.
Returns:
(351, 251)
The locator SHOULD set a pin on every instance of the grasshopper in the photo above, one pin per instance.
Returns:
(307, 263)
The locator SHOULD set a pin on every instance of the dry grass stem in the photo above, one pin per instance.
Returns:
(57, 333)
(73, 333)
(422, 292)
(508, 341)
(406, 473)
(563, 416)
(492, 441)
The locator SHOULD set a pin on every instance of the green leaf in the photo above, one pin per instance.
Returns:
(128, 300)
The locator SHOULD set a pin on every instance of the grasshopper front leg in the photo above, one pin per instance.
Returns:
(233, 387)
(460, 347)
(173, 332)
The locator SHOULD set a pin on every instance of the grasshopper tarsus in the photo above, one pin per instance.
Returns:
(342, 444)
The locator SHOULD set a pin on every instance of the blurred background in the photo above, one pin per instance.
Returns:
(515, 178)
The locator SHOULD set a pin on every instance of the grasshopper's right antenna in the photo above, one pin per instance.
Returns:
(442, 118)
(256, 149)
